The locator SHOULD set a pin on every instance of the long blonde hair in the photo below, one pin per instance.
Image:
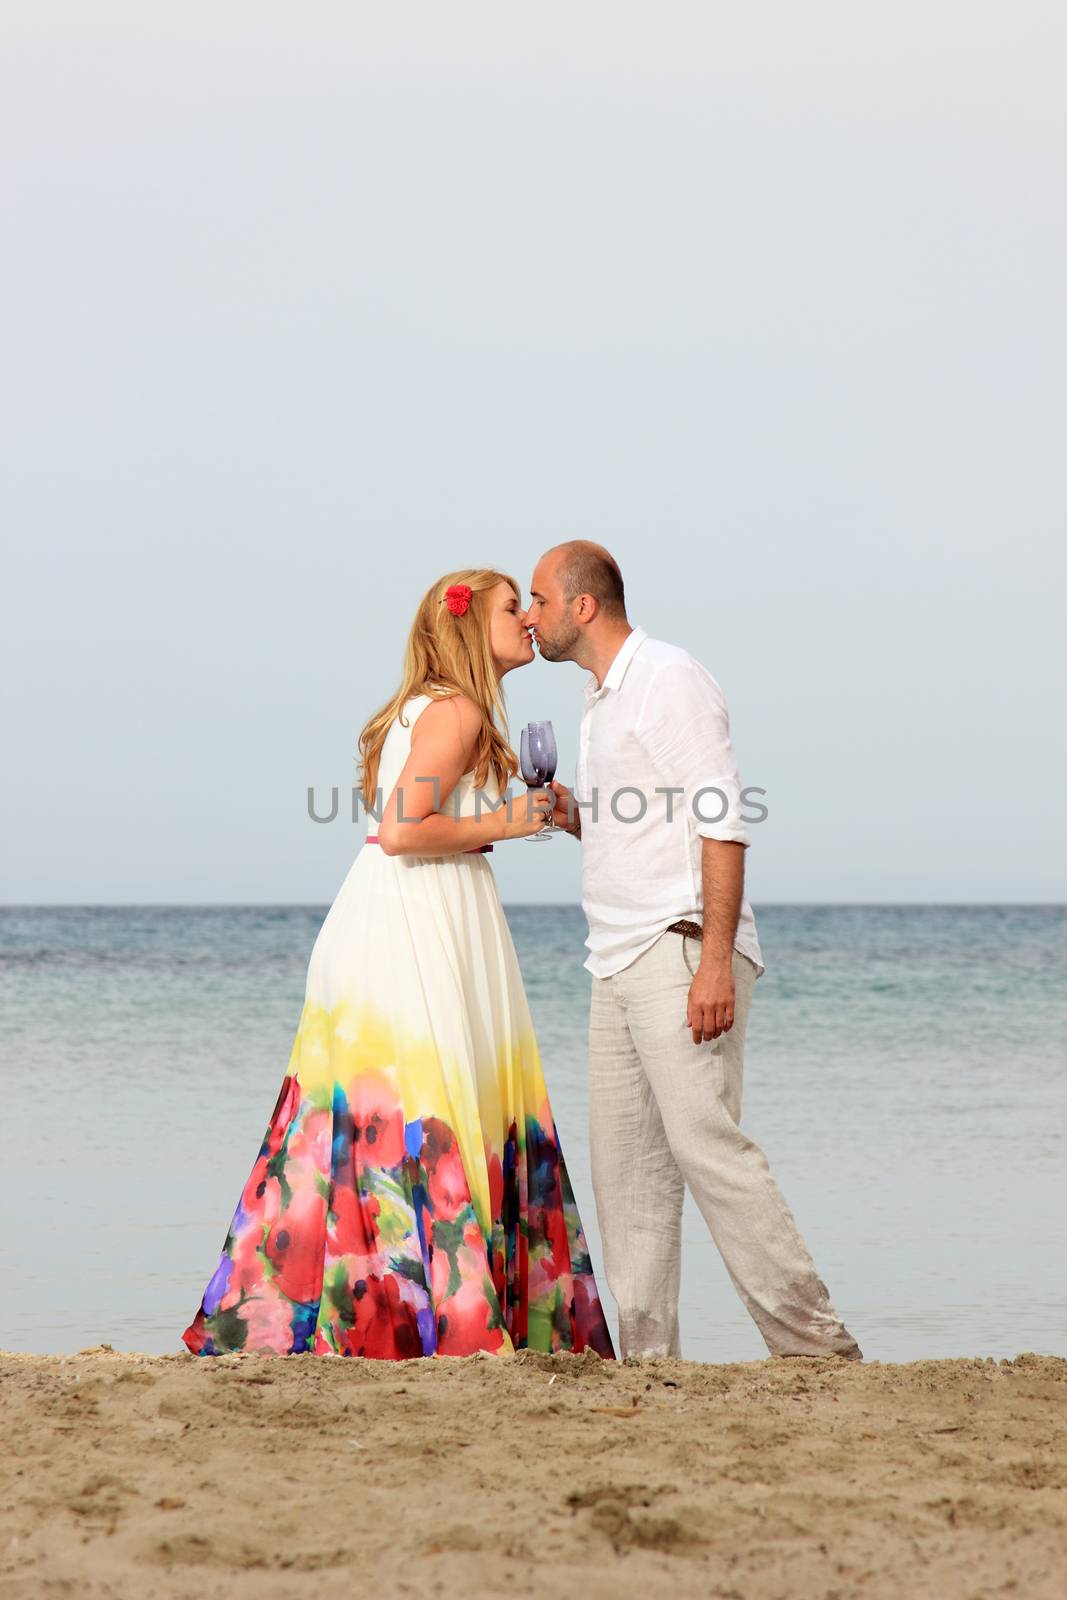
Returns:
(445, 655)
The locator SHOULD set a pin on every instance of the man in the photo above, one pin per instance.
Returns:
(674, 958)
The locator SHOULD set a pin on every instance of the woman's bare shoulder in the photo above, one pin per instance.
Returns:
(454, 715)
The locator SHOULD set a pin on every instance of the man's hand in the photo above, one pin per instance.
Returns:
(566, 814)
(710, 1010)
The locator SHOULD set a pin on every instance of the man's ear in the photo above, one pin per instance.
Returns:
(587, 608)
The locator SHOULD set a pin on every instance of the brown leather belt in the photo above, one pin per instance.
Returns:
(692, 929)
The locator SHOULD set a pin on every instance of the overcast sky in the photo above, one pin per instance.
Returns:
(304, 305)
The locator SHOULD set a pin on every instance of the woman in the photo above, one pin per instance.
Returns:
(410, 1197)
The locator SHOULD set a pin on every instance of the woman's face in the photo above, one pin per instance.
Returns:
(509, 634)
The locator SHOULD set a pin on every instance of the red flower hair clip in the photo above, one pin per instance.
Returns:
(458, 598)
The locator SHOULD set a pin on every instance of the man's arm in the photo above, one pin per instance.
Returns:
(685, 727)
(710, 1010)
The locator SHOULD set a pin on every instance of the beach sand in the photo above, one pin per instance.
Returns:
(131, 1475)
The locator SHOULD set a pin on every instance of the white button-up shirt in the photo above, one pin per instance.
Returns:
(658, 723)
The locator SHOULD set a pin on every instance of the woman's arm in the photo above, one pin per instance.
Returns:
(443, 742)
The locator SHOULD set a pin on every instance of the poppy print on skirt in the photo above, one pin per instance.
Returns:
(357, 1232)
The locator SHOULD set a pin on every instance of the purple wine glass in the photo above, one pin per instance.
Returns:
(537, 759)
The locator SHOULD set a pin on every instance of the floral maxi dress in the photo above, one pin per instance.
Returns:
(410, 1197)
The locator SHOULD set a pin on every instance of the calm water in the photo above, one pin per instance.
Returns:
(906, 1073)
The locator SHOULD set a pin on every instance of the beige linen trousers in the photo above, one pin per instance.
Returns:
(663, 1114)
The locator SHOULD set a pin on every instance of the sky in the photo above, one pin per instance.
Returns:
(304, 306)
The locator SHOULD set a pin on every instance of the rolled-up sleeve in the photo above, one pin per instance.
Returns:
(685, 727)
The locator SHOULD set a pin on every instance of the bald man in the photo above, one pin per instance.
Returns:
(674, 959)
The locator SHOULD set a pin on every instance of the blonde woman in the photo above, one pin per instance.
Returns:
(410, 1197)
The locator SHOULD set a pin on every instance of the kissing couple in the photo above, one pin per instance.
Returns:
(410, 1197)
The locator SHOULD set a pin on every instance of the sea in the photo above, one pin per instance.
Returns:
(905, 1074)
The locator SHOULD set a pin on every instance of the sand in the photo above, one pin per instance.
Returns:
(132, 1475)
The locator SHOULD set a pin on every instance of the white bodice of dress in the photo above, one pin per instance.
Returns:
(396, 749)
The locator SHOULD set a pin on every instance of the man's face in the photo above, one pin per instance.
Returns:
(549, 614)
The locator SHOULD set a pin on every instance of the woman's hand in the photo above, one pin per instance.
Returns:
(526, 813)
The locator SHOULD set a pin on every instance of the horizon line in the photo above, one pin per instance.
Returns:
(564, 905)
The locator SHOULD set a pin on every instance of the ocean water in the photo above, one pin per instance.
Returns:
(906, 1074)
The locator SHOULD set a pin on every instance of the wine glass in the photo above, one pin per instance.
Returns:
(537, 759)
